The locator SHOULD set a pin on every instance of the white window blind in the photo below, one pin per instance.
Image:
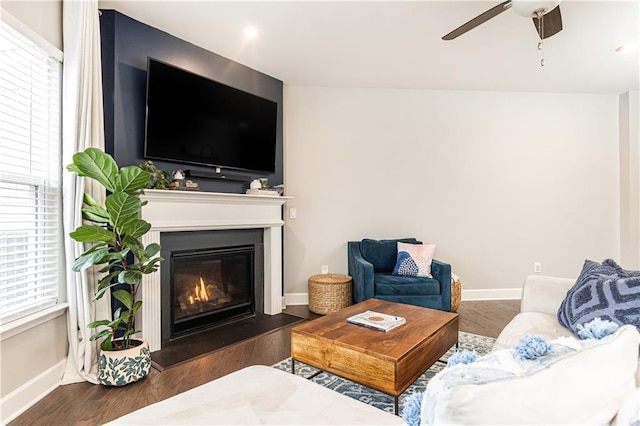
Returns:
(30, 169)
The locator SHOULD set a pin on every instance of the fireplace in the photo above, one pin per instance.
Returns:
(209, 287)
(171, 212)
(210, 278)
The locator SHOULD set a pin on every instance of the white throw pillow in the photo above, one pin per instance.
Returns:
(577, 382)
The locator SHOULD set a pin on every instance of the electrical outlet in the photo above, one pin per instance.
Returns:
(325, 269)
(537, 267)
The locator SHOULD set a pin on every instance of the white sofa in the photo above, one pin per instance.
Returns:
(541, 298)
(560, 379)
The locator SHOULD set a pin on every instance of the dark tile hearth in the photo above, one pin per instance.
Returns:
(193, 346)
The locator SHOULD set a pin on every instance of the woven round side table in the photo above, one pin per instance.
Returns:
(329, 293)
(456, 292)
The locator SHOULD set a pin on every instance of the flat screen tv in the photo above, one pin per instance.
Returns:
(192, 119)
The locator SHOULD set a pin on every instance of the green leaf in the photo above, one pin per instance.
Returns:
(136, 306)
(98, 323)
(116, 316)
(120, 317)
(106, 280)
(116, 255)
(95, 247)
(86, 260)
(139, 253)
(122, 208)
(136, 228)
(95, 214)
(107, 345)
(130, 277)
(103, 333)
(92, 233)
(96, 165)
(152, 265)
(125, 317)
(90, 201)
(131, 179)
(133, 243)
(103, 289)
(152, 249)
(124, 297)
(112, 264)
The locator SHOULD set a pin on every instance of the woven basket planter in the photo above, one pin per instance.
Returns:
(329, 293)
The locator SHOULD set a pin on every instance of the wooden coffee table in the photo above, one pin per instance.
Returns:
(386, 361)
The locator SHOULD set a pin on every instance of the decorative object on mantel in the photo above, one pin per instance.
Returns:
(259, 187)
(178, 175)
(184, 185)
(159, 178)
(115, 235)
(179, 183)
(268, 192)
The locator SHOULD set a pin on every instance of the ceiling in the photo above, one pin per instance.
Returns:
(397, 44)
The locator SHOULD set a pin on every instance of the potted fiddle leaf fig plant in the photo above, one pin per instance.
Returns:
(113, 231)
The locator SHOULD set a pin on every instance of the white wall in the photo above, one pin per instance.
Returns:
(32, 361)
(629, 115)
(43, 17)
(496, 180)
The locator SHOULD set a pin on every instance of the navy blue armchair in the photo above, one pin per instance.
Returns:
(371, 264)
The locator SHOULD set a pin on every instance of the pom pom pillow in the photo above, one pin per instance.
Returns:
(414, 260)
(573, 382)
(602, 290)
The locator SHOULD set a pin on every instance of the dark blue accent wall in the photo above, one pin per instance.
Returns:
(126, 44)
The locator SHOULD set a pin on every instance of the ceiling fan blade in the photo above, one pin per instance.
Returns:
(551, 23)
(480, 19)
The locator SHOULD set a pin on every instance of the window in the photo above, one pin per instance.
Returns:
(30, 170)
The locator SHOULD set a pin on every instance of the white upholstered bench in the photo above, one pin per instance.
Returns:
(259, 395)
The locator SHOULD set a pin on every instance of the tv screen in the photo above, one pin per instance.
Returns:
(192, 119)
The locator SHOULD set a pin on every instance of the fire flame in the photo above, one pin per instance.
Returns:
(200, 291)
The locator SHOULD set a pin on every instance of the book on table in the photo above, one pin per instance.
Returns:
(377, 320)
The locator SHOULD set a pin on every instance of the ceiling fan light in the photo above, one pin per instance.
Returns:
(528, 8)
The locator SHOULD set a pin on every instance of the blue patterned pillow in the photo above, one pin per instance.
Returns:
(602, 290)
(414, 260)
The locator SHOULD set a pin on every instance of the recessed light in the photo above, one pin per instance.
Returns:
(627, 48)
(250, 32)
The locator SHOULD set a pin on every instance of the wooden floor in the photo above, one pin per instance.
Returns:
(87, 404)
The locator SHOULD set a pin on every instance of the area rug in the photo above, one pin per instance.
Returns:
(473, 342)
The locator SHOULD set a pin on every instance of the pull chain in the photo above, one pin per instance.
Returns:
(541, 32)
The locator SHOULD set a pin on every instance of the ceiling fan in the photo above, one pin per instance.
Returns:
(545, 13)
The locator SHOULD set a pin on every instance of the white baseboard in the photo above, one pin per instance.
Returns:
(470, 295)
(21, 399)
(492, 294)
(296, 298)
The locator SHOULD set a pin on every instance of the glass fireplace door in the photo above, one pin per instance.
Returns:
(210, 287)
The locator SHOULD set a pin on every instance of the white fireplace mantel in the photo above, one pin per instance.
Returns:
(173, 211)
